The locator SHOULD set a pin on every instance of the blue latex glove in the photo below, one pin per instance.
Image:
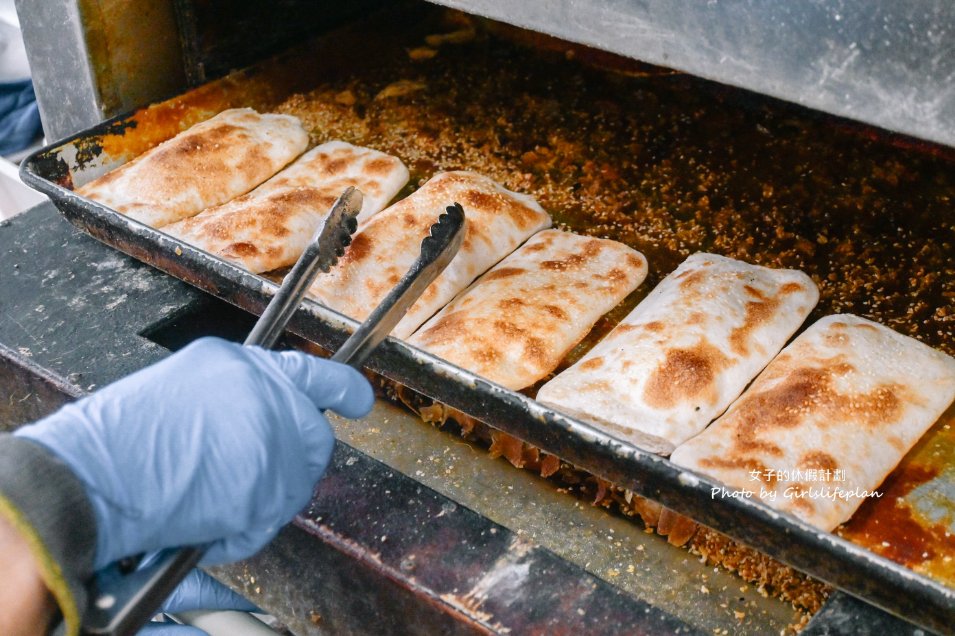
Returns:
(19, 116)
(198, 591)
(217, 443)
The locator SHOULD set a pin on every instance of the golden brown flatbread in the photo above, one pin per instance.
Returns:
(827, 420)
(206, 165)
(270, 227)
(686, 352)
(383, 249)
(516, 323)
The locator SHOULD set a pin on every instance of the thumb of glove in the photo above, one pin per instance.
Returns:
(329, 385)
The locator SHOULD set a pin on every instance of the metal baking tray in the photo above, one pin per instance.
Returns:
(57, 168)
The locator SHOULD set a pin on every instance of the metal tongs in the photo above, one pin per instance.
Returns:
(119, 605)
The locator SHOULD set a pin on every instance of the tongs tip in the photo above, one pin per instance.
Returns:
(448, 225)
(438, 249)
(341, 223)
(322, 253)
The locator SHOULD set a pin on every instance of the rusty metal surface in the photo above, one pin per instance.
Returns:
(843, 616)
(914, 521)
(61, 337)
(446, 569)
(28, 391)
(262, 87)
(847, 566)
(299, 572)
(612, 548)
(926, 597)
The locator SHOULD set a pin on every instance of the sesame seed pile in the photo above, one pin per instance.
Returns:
(666, 163)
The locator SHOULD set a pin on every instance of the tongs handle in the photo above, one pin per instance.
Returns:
(270, 325)
(120, 605)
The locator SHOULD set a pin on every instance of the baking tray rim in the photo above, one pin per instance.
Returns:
(850, 567)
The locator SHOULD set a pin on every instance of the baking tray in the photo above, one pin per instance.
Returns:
(819, 554)
(57, 168)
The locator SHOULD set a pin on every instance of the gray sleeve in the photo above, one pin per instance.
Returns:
(48, 497)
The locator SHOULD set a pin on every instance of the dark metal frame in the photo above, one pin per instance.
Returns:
(822, 555)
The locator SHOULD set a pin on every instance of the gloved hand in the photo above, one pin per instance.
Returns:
(217, 443)
(198, 591)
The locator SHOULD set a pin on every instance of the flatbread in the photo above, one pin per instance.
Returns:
(686, 352)
(206, 165)
(516, 323)
(269, 227)
(841, 405)
(383, 249)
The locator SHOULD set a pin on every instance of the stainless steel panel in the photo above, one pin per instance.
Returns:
(91, 59)
(886, 63)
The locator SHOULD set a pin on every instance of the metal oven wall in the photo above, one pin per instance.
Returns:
(886, 63)
(94, 59)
